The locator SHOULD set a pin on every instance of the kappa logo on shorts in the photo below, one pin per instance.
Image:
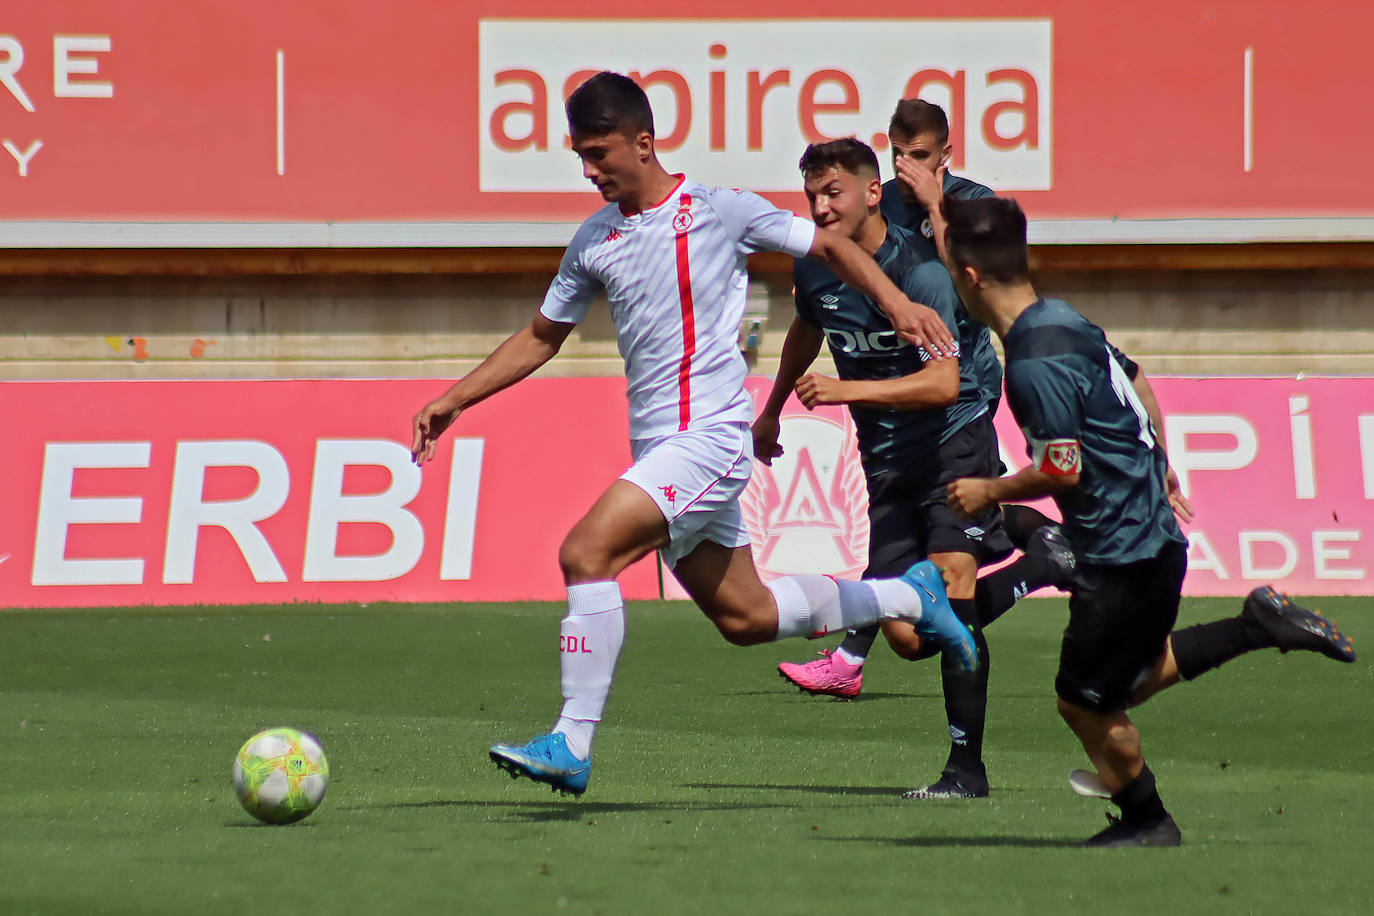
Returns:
(808, 513)
(670, 494)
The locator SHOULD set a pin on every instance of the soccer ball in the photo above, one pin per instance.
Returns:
(280, 775)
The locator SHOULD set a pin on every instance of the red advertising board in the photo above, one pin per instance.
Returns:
(419, 112)
(237, 492)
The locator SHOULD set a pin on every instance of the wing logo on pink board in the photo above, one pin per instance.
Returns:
(809, 511)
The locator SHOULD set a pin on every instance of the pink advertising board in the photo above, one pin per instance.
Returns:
(237, 492)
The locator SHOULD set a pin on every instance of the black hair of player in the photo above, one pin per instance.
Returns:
(609, 103)
(988, 234)
(914, 117)
(854, 156)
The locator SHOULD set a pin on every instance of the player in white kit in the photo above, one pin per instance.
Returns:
(670, 255)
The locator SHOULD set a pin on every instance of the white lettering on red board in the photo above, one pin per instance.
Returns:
(189, 511)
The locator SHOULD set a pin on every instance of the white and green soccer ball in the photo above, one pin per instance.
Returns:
(280, 775)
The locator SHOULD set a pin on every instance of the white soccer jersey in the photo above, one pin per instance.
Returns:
(675, 278)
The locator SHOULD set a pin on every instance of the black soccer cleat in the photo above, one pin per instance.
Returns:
(1121, 834)
(1294, 627)
(950, 785)
(1048, 542)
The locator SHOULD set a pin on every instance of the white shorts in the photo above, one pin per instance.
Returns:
(696, 477)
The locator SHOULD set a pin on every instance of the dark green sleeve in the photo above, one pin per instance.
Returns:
(1131, 367)
(929, 284)
(1046, 398)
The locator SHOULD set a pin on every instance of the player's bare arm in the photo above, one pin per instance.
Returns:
(917, 323)
(799, 351)
(971, 495)
(934, 387)
(517, 356)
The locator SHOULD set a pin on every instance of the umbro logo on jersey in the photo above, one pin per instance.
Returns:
(613, 235)
(670, 494)
(830, 301)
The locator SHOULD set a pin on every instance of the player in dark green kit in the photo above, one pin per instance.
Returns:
(1090, 422)
(920, 423)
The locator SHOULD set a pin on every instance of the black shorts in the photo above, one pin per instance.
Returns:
(1119, 619)
(909, 517)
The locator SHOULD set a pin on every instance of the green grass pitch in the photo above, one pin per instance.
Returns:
(716, 787)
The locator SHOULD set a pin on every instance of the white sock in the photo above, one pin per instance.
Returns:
(849, 657)
(589, 643)
(816, 605)
(896, 599)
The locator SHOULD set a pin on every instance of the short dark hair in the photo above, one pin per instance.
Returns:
(917, 116)
(854, 156)
(608, 103)
(989, 234)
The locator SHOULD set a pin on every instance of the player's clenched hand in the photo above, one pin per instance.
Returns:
(813, 390)
(1177, 501)
(929, 187)
(923, 326)
(766, 447)
(969, 495)
(429, 424)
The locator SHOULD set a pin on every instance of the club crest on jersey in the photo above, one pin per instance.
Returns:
(927, 229)
(682, 220)
(808, 513)
(1057, 457)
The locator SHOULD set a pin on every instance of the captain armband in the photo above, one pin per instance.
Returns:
(1056, 457)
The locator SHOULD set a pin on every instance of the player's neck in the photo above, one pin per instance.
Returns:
(872, 235)
(1005, 304)
(652, 191)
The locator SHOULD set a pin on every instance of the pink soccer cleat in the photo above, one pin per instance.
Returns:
(826, 676)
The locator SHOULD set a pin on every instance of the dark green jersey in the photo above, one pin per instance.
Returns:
(865, 346)
(1071, 394)
(914, 218)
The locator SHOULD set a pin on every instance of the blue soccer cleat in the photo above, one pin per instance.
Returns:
(545, 759)
(938, 622)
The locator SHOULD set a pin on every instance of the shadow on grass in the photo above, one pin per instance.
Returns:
(572, 810)
(866, 697)
(819, 790)
(975, 842)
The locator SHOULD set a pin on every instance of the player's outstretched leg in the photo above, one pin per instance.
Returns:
(1294, 627)
(545, 759)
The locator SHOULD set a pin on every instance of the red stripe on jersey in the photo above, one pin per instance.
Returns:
(689, 331)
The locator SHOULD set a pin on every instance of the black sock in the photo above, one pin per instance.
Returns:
(998, 591)
(966, 704)
(1139, 800)
(1201, 648)
(1021, 522)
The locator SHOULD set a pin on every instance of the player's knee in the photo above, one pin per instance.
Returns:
(742, 630)
(1122, 741)
(581, 561)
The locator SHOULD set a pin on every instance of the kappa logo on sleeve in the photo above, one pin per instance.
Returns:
(1056, 457)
